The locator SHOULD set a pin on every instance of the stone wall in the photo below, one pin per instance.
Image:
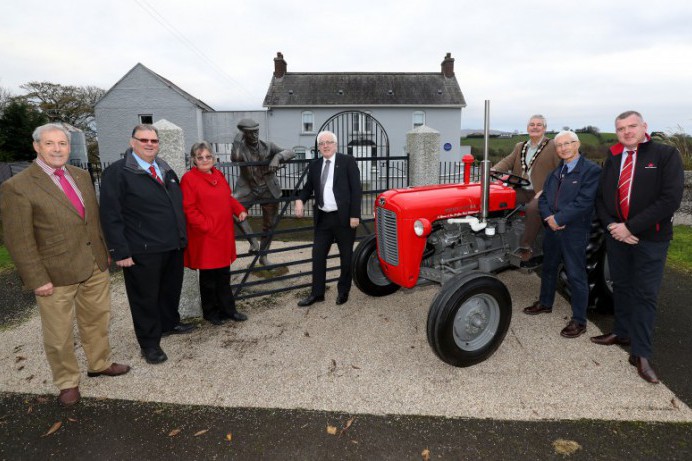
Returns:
(684, 214)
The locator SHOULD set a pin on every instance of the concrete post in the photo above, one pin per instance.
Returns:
(172, 151)
(423, 145)
(172, 145)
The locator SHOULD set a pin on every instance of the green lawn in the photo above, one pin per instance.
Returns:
(5, 261)
(680, 252)
(498, 148)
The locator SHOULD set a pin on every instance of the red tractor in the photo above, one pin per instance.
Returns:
(458, 236)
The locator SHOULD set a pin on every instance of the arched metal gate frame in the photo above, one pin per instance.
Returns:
(361, 135)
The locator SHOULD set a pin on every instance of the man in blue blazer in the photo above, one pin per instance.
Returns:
(567, 206)
(335, 181)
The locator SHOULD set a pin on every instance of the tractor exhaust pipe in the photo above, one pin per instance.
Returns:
(485, 165)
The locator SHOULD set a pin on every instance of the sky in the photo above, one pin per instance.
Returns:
(578, 63)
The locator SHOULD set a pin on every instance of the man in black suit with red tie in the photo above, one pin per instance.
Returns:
(640, 189)
(335, 180)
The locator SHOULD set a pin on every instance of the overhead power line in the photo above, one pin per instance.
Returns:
(188, 43)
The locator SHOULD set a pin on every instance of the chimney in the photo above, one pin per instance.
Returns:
(448, 66)
(280, 65)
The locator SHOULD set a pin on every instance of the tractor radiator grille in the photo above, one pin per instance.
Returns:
(387, 236)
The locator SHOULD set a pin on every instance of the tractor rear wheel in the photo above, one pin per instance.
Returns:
(600, 285)
(469, 318)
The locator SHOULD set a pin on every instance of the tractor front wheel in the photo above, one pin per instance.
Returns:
(469, 318)
(367, 273)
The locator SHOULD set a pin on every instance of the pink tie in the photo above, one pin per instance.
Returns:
(153, 173)
(70, 192)
(624, 184)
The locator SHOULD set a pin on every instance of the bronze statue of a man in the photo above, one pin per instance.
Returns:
(258, 182)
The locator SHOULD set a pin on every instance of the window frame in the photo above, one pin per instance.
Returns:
(303, 116)
(419, 113)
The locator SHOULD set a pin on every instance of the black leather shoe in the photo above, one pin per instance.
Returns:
(537, 308)
(573, 330)
(154, 355)
(341, 299)
(310, 300)
(644, 369)
(610, 339)
(214, 320)
(238, 316)
(179, 329)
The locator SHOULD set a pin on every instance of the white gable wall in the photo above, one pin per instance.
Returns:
(141, 92)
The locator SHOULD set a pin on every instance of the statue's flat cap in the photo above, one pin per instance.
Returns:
(248, 124)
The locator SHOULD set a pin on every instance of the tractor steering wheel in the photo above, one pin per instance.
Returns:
(513, 180)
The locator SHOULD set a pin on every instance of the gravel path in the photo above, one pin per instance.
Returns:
(368, 356)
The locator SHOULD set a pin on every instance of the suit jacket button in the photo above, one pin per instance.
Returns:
(88, 243)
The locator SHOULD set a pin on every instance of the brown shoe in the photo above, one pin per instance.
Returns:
(69, 397)
(573, 330)
(610, 339)
(525, 254)
(116, 369)
(644, 369)
(537, 308)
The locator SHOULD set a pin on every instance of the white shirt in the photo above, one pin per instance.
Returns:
(328, 199)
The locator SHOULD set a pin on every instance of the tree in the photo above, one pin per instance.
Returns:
(5, 98)
(70, 104)
(682, 142)
(66, 103)
(17, 123)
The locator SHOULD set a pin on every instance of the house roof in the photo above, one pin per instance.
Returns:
(364, 89)
(197, 102)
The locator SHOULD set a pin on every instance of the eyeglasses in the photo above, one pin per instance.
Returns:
(325, 143)
(535, 124)
(146, 141)
(564, 144)
(206, 158)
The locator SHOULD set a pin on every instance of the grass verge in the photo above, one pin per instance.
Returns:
(5, 260)
(680, 252)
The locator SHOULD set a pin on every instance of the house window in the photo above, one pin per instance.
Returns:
(146, 119)
(418, 118)
(300, 152)
(362, 123)
(308, 122)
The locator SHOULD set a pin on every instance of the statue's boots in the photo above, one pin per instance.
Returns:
(247, 230)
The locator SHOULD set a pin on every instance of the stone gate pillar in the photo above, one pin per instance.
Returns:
(423, 145)
(172, 151)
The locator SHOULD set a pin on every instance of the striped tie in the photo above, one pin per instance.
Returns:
(625, 183)
(154, 175)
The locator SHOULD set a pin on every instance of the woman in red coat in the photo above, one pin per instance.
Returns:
(209, 208)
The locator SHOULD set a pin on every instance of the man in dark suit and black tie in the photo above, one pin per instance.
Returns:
(335, 180)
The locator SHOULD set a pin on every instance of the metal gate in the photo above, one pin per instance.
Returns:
(361, 135)
(358, 134)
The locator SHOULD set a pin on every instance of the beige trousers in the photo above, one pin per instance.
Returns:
(91, 303)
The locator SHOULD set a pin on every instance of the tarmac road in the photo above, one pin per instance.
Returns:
(101, 428)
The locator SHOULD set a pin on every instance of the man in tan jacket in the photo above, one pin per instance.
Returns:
(533, 160)
(52, 231)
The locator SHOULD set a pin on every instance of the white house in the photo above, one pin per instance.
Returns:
(375, 106)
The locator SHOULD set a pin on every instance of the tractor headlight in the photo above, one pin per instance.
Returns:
(422, 227)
